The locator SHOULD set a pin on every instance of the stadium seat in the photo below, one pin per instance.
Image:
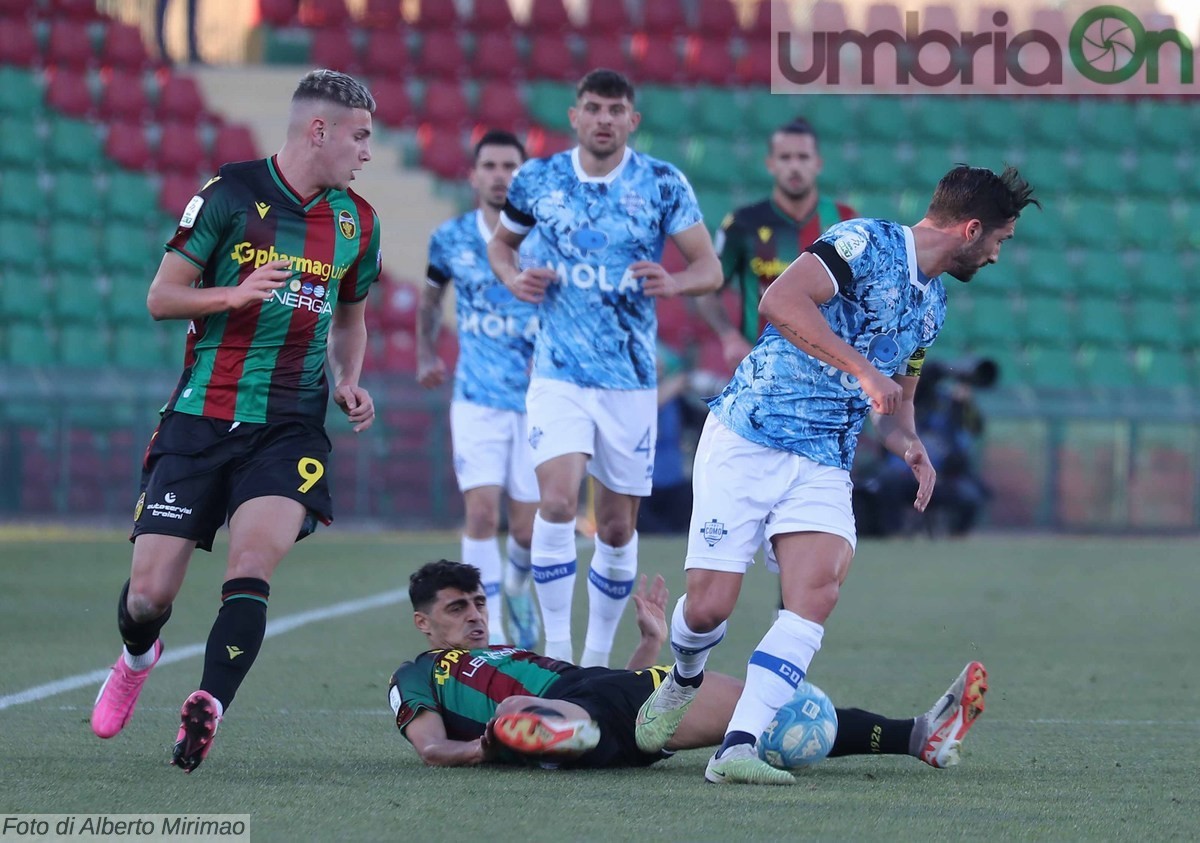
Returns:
(20, 93)
(386, 53)
(175, 191)
(318, 14)
(127, 145)
(393, 106)
(663, 18)
(441, 56)
(436, 15)
(665, 110)
(716, 19)
(547, 103)
(124, 97)
(499, 105)
(444, 156)
(286, 45)
(74, 197)
(382, 15)
(81, 11)
(445, 105)
(1100, 171)
(83, 346)
(77, 296)
(719, 111)
(1160, 124)
(1105, 125)
(1049, 367)
(73, 144)
(492, 16)
(180, 151)
(605, 52)
(608, 20)
(549, 17)
(125, 252)
(1101, 321)
(123, 48)
(280, 13)
(18, 42)
(1157, 172)
(540, 143)
(1156, 323)
(138, 349)
(332, 47)
(495, 56)
(754, 67)
(657, 59)
(29, 345)
(20, 149)
(708, 61)
(1092, 225)
(233, 142)
(1047, 322)
(1108, 368)
(1102, 273)
(69, 46)
(24, 299)
(180, 101)
(1164, 369)
(1157, 273)
(67, 92)
(551, 58)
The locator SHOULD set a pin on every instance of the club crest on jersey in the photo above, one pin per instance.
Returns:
(347, 225)
(632, 204)
(883, 349)
(141, 504)
(713, 531)
(588, 239)
(764, 233)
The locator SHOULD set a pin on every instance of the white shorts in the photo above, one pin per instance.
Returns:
(745, 494)
(491, 449)
(617, 428)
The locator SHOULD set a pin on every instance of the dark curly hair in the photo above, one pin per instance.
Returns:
(967, 193)
(432, 577)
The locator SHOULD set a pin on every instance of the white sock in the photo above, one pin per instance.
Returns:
(143, 662)
(519, 570)
(610, 582)
(776, 667)
(484, 554)
(553, 561)
(691, 649)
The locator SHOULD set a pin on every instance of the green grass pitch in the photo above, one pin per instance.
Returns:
(1091, 729)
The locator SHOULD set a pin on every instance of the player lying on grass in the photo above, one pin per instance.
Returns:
(462, 702)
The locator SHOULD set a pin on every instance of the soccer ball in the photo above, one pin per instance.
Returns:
(802, 732)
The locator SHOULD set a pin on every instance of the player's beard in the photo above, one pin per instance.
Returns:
(796, 195)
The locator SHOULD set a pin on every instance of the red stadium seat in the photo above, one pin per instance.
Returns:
(68, 92)
(541, 143)
(608, 19)
(939, 16)
(437, 15)
(127, 145)
(398, 302)
(18, 43)
(496, 57)
(443, 156)
(180, 151)
(69, 46)
(718, 19)
(383, 14)
(445, 105)
(124, 97)
(441, 56)
(709, 61)
(884, 17)
(500, 106)
(663, 17)
(549, 17)
(233, 142)
(82, 11)
(492, 16)
(176, 191)
(123, 48)
(386, 53)
(179, 100)
(754, 68)
(393, 106)
(319, 14)
(278, 12)
(333, 48)
(829, 16)
(656, 59)
(551, 58)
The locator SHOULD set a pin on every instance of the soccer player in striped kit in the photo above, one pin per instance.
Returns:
(271, 264)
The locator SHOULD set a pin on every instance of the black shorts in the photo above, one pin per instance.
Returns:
(198, 471)
(612, 698)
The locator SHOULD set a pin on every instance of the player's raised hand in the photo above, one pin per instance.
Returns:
(651, 605)
(918, 460)
(356, 403)
(885, 393)
(260, 284)
(656, 281)
(530, 284)
(431, 372)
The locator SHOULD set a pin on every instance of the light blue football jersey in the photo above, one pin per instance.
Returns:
(783, 398)
(495, 329)
(597, 327)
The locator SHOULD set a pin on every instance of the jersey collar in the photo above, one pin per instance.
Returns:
(481, 224)
(289, 191)
(914, 273)
(605, 179)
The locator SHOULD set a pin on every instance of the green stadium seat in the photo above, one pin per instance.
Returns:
(28, 345)
(1101, 273)
(1157, 173)
(20, 148)
(127, 248)
(877, 168)
(548, 103)
(127, 298)
(887, 118)
(1046, 169)
(83, 346)
(1092, 225)
(78, 297)
(1156, 322)
(130, 196)
(1158, 272)
(1147, 223)
(988, 121)
(72, 248)
(1105, 125)
(719, 112)
(1185, 223)
(74, 197)
(1163, 369)
(665, 110)
(20, 94)
(74, 144)
(837, 169)
(1101, 321)
(1048, 121)
(669, 147)
(928, 165)
(765, 113)
(140, 348)
(1045, 367)
(23, 297)
(1161, 125)
(714, 205)
(1100, 171)
(1105, 367)
(286, 45)
(20, 253)
(1047, 269)
(994, 318)
(939, 120)
(1047, 322)
(884, 204)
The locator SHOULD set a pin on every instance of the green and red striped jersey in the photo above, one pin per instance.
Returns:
(266, 362)
(465, 686)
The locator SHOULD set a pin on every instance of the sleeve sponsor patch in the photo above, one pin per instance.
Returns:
(850, 246)
(191, 212)
(394, 699)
